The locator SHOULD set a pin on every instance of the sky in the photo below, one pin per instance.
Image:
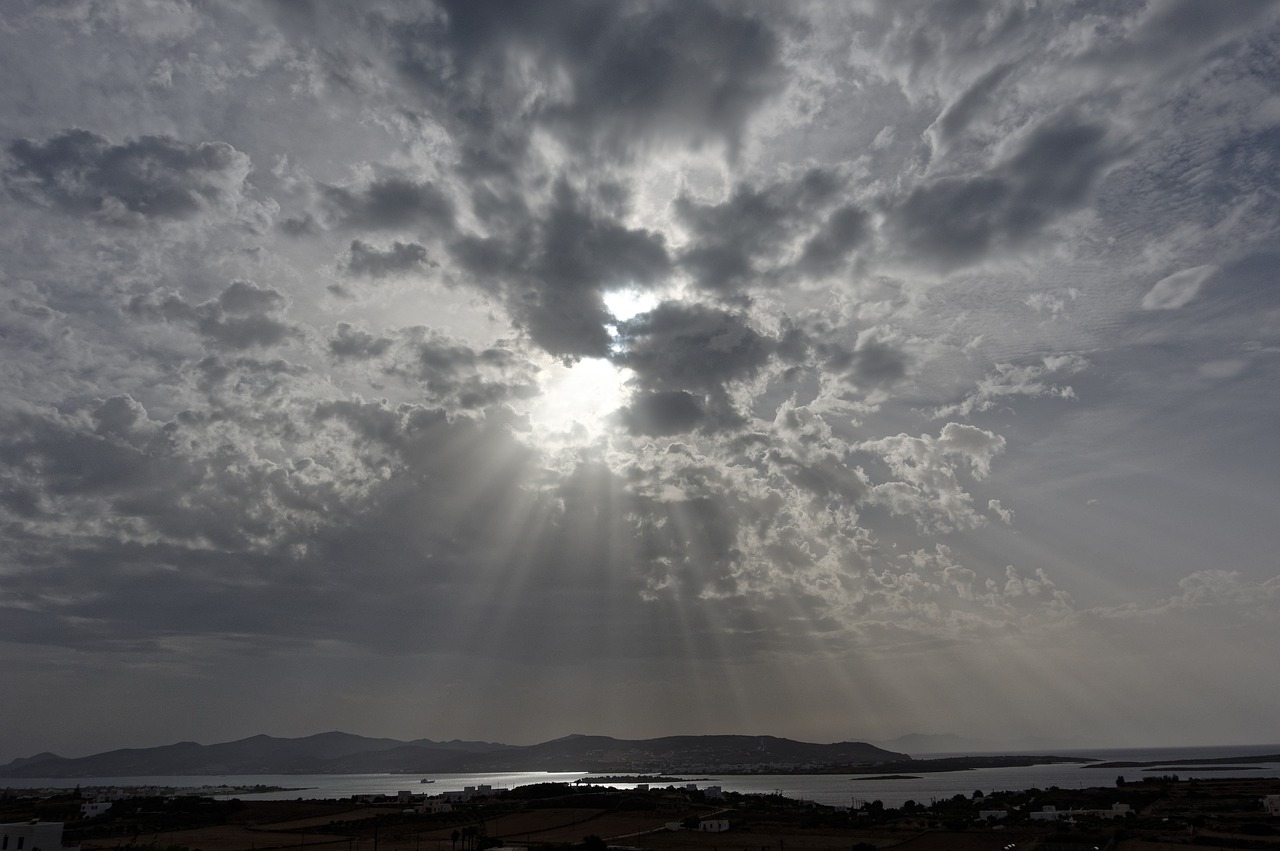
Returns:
(502, 371)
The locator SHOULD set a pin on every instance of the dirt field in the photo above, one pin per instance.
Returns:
(630, 829)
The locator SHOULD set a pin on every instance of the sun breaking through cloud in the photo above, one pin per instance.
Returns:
(499, 371)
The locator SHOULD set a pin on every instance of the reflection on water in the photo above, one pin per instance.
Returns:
(831, 789)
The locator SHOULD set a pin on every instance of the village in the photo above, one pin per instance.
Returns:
(1155, 814)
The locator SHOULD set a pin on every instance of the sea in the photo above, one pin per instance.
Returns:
(831, 789)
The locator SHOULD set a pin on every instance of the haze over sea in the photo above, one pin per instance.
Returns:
(829, 789)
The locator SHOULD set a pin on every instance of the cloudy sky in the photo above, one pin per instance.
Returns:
(502, 371)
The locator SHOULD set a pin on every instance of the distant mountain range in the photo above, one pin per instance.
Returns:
(935, 743)
(344, 753)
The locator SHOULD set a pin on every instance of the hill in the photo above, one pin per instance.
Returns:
(343, 753)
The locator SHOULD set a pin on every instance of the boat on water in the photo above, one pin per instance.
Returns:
(425, 780)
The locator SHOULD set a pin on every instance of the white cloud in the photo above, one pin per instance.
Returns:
(1177, 290)
(926, 484)
(1009, 380)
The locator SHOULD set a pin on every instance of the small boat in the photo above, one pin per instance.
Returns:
(424, 780)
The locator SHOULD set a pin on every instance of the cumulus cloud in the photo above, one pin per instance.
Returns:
(735, 243)
(1009, 380)
(871, 363)
(663, 412)
(554, 270)
(925, 482)
(1005, 514)
(148, 178)
(456, 373)
(1218, 587)
(351, 342)
(691, 347)
(243, 316)
(387, 203)
(371, 261)
(612, 79)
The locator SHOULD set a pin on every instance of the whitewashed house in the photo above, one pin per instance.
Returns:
(33, 836)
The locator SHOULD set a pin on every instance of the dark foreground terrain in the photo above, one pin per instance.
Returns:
(1166, 814)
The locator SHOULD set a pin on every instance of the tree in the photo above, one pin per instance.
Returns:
(1120, 780)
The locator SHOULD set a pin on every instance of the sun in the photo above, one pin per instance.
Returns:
(577, 399)
(628, 303)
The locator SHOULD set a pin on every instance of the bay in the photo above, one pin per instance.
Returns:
(830, 789)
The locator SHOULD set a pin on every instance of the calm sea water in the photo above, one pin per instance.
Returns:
(832, 789)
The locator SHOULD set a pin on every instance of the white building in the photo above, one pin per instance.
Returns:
(1271, 804)
(470, 793)
(989, 815)
(713, 825)
(435, 805)
(92, 809)
(33, 836)
(714, 793)
(1050, 813)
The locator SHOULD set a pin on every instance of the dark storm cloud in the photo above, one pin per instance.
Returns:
(554, 271)
(683, 356)
(730, 239)
(955, 221)
(138, 476)
(870, 363)
(152, 177)
(613, 77)
(241, 317)
(843, 232)
(351, 342)
(65, 461)
(242, 298)
(662, 413)
(691, 347)
(244, 332)
(388, 203)
(370, 261)
(458, 374)
(451, 374)
(184, 530)
(400, 523)
(825, 477)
